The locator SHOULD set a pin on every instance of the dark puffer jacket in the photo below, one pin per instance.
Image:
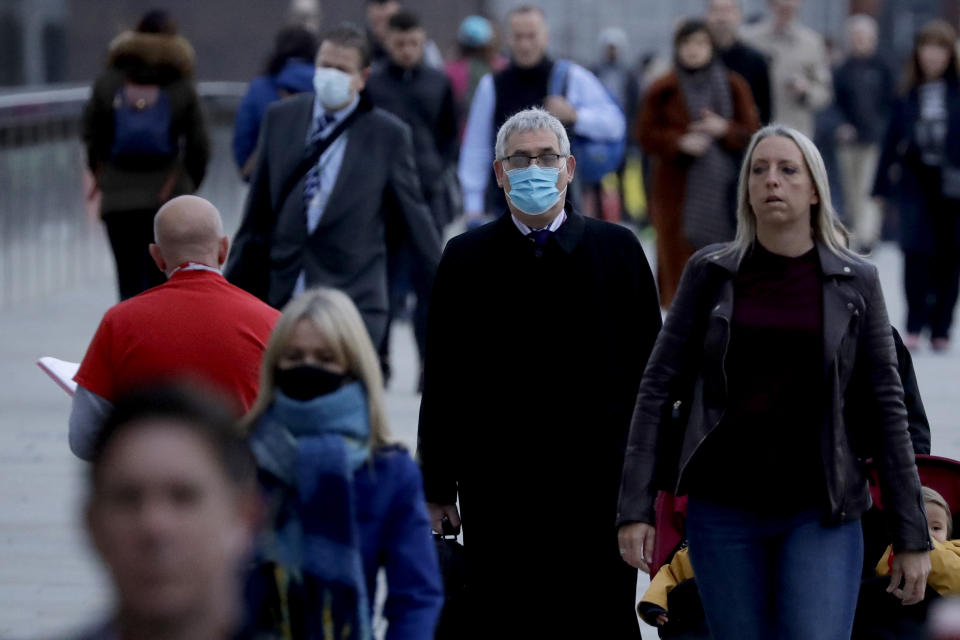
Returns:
(687, 364)
(147, 59)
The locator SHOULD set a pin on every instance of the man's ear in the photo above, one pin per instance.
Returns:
(499, 173)
(157, 257)
(223, 250)
(571, 168)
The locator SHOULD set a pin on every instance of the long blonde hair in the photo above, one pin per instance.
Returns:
(822, 214)
(334, 314)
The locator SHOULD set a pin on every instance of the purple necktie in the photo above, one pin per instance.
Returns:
(539, 237)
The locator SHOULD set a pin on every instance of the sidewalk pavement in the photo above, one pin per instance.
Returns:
(49, 581)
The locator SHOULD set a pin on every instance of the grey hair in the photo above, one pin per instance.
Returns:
(822, 214)
(532, 119)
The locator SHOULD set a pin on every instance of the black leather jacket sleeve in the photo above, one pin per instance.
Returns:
(670, 363)
(899, 482)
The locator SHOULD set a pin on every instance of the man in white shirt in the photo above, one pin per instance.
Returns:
(585, 108)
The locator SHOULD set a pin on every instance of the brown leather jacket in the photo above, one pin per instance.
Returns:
(687, 367)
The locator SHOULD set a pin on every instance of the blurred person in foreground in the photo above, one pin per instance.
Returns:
(864, 96)
(724, 18)
(421, 96)
(289, 71)
(196, 325)
(585, 108)
(800, 76)
(695, 123)
(332, 169)
(525, 420)
(477, 56)
(343, 501)
(171, 511)
(919, 170)
(146, 140)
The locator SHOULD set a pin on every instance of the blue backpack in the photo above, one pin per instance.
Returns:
(595, 158)
(142, 122)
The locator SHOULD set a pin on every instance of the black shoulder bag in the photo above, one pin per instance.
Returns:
(252, 270)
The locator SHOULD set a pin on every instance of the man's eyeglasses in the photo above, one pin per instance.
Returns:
(548, 160)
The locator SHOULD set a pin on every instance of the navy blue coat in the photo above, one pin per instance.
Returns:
(296, 76)
(902, 178)
(394, 532)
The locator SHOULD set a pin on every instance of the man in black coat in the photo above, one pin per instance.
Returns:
(723, 18)
(422, 97)
(326, 226)
(539, 330)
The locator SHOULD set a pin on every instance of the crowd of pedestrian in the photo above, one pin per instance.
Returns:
(566, 385)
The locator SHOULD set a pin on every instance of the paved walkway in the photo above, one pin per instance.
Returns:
(48, 580)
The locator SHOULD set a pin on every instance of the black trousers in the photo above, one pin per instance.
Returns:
(932, 278)
(406, 274)
(131, 233)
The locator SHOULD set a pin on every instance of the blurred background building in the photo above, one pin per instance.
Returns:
(57, 41)
(50, 51)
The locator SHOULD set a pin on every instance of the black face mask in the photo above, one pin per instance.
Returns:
(306, 382)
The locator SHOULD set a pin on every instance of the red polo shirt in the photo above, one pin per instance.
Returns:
(196, 326)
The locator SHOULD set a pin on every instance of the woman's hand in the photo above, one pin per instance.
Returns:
(636, 544)
(694, 143)
(711, 124)
(913, 567)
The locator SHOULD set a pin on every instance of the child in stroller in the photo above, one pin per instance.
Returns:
(879, 614)
(944, 575)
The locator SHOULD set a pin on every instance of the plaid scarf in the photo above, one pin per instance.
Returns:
(310, 452)
(709, 177)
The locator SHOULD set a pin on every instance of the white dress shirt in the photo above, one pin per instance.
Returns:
(598, 117)
(525, 230)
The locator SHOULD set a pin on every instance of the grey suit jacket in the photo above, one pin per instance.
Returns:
(347, 249)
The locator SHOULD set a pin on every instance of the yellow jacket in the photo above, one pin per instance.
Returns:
(669, 576)
(944, 567)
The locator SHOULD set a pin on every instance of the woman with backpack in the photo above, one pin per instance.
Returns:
(146, 140)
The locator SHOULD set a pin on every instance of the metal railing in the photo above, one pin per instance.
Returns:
(50, 240)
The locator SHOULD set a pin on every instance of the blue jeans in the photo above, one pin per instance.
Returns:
(784, 578)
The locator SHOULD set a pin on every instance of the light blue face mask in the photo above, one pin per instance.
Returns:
(533, 189)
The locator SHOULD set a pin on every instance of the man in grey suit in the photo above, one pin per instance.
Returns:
(326, 227)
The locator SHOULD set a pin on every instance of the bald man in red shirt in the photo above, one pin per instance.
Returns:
(195, 326)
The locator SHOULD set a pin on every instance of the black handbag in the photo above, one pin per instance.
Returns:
(453, 569)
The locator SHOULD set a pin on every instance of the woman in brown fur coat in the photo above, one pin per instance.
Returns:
(696, 121)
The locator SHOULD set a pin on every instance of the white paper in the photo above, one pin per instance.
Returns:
(61, 372)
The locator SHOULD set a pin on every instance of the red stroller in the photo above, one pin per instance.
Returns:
(876, 618)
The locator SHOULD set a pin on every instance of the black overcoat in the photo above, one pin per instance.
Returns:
(533, 361)
(901, 177)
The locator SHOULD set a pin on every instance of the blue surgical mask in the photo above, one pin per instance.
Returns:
(533, 190)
